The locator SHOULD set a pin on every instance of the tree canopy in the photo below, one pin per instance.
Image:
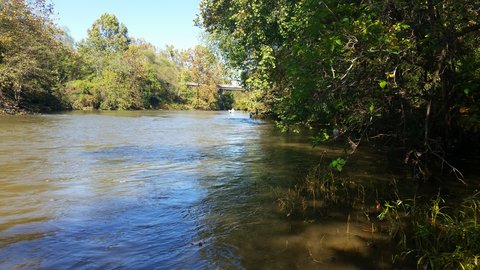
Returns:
(389, 69)
(43, 69)
(107, 35)
(32, 56)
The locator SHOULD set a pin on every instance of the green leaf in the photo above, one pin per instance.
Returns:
(383, 84)
(321, 138)
(325, 136)
(338, 164)
(371, 108)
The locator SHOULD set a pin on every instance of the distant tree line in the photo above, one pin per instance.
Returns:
(43, 69)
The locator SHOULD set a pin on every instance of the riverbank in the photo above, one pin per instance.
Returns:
(4, 111)
(174, 107)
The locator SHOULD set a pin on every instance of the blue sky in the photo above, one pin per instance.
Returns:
(160, 22)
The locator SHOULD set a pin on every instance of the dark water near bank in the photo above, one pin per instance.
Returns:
(165, 190)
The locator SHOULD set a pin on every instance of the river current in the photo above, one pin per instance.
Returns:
(161, 190)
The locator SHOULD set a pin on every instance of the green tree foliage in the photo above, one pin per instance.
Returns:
(107, 38)
(107, 35)
(135, 79)
(33, 60)
(391, 69)
(41, 67)
(200, 66)
(123, 75)
(206, 70)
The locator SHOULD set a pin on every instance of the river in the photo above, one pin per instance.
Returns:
(163, 190)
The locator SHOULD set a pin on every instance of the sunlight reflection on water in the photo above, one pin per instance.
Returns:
(166, 190)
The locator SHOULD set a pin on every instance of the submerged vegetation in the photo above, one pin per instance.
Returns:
(435, 232)
(321, 191)
(441, 234)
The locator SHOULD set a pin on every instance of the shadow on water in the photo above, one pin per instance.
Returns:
(242, 227)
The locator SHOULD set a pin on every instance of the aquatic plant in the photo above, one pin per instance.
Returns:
(439, 235)
(320, 190)
(436, 233)
(290, 201)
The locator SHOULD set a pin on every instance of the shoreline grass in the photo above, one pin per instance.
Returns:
(433, 231)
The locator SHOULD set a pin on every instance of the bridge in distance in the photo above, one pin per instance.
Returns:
(221, 87)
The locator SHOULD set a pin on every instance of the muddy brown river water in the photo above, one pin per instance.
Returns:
(165, 190)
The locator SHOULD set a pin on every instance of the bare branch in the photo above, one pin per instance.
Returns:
(349, 68)
(458, 173)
